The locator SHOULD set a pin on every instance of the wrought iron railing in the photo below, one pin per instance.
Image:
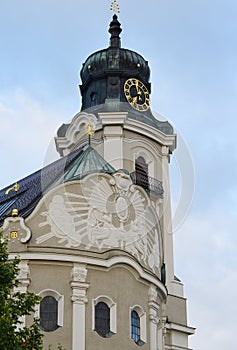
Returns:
(148, 183)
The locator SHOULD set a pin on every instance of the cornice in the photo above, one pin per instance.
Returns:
(74, 132)
(118, 260)
(180, 328)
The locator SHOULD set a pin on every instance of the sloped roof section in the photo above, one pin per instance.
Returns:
(76, 165)
(89, 161)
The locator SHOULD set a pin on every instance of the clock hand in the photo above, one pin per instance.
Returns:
(137, 86)
(134, 99)
(139, 92)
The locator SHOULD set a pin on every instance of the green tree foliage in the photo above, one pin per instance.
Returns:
(13, 305)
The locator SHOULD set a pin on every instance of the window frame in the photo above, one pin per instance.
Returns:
(113, 312)
(143, 331)
(102, 326)
(60, 299)
(147, 156)
(48, 314)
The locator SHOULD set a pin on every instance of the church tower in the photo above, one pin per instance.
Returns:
(93, 229)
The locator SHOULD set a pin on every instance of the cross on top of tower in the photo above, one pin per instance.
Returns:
(114, 7)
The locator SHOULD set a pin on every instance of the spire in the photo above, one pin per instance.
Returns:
(115, 29)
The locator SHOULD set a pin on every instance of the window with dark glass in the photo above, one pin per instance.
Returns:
(141, 169)
(135, 327)
(102, 319)
(49, 314)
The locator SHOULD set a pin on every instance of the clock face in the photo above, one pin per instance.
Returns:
(137, 94)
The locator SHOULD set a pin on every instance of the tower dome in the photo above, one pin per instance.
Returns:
(104, 75)
(104, 72)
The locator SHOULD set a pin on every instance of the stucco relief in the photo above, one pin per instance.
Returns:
(107, 211)
(15, 229)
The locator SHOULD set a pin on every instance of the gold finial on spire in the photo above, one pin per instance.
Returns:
(114, 7)
(13, 188)
(90, 129)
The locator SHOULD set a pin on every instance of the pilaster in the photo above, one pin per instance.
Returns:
(113, 137)
(24, 282)
(79, 299)
(154, 319)
(167, 221)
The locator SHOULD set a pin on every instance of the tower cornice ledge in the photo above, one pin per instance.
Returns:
(75, 131)
(152, 133)
(115, 118)
(121, 118)
(109, 263)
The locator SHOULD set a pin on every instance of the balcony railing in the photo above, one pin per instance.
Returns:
(149, 184)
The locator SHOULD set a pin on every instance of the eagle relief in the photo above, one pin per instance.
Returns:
(105, 212)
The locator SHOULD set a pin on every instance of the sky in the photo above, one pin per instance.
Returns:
(192, 52)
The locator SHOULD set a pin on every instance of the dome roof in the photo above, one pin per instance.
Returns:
(104, 75)
(110, 61)
(114, 59)
(105, 72)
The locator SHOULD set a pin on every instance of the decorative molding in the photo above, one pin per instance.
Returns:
(79, 273)
(23, 276)
(60, 300)
(152, 133)
(179, 328)
(153, 305)
(78, 284)
(79, 299)
(74, 132)
(66, 143)
(142, 314)
(15, 229)
(154, 318)
(113, 311)
(115, 118)
(109, 263)
(24, 282)
(149, 145)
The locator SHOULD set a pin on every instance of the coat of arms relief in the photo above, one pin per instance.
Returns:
(105, 212)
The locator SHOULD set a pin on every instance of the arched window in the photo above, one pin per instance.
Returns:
(50, 310)
(138, 325)
(102, 319)
(141, 169)
(49, 314)
(135, 326)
